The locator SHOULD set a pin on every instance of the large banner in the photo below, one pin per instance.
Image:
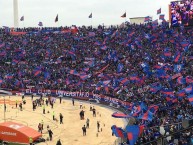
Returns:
(79, 95)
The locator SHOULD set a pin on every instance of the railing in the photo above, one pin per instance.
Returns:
(162, 140)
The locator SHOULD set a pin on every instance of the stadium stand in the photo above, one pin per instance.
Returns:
(150, 66)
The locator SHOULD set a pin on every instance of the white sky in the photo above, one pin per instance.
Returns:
(76, 12)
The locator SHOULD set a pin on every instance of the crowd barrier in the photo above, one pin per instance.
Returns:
(103, 99)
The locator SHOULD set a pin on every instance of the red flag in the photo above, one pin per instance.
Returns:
(74, 29)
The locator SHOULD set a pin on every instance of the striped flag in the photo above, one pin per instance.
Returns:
(189, 89)
(37, 72)
(8, 76)
(133, 132)
(190, 98)
(118, 132)
(2, 45)
(181, 93)
(1, 80)
(147, 116)
(159, 11)
(181, 80)
(147, 19)
(189, 79)
(84, 76)
(161, 17)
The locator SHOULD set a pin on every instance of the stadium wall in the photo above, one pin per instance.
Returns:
(81, 95)
(77, 95)
(138, 20)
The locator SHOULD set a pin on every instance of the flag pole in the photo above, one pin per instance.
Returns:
(23, 21)
(91, 20)
(58, 22)
(125, 16)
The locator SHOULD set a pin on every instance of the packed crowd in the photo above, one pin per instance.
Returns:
(114, 61)
(182, 13)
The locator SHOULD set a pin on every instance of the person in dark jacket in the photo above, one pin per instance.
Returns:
(59, 142)
(50, 134)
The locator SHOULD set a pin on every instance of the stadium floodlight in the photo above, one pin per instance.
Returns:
(15, 13)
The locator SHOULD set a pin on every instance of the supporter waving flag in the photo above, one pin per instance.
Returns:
(105, 83)
(189, 79)
(155, 87)
(171, 100)
(139, 45)
(118, 132)
(133, 132)
(115, 83)
(48, 52)
(91, 63)
(147, 19)
(138, 109)
(190, 98)
(2, 45)
(104, 47)
(167, 91)
(91, 34)
(9, 76)
(177, 57)
(181, 80)
(120, 68)
(184, 44)
(15, 61)
(37, 71)
(146, 116)
(153, 108)
(97, 43)
(181, 93)
(17, 83)
(46, 75)
(73, 72)
(124, 81)
(189, 89)
(84, 76)
(178, 68)
(131, 33)
(1, 80)
(161, 17)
